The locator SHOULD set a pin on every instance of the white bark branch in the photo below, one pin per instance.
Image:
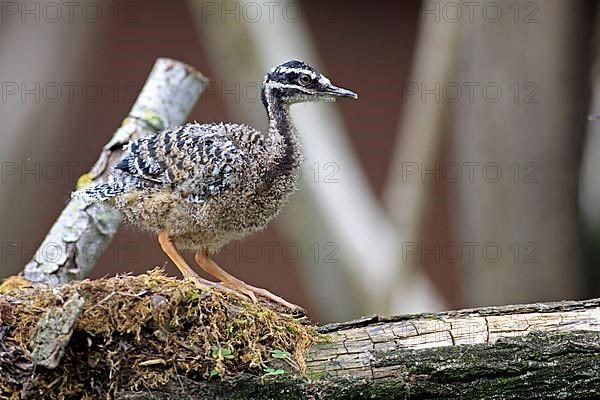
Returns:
(82, 232)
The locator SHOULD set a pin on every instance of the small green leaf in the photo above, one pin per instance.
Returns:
(290, 329)
(219, 352)
(192, 296)
(273, 371)
(280, 354)
(214, 372)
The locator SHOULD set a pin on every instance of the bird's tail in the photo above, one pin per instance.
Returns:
(97, 193)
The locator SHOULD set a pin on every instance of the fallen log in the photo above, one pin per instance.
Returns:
(153, 337)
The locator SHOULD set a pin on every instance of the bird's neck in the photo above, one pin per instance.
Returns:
(282, 139)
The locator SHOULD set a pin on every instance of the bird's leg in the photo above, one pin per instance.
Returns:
(168, 246)
(208, 265)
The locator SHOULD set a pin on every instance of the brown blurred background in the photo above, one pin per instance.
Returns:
(441, 228)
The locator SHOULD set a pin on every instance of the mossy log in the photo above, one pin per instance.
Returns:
(153, 337)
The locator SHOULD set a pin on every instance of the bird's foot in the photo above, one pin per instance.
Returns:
(201, 282)
(253, 293)
(206, 284)
(239, 286)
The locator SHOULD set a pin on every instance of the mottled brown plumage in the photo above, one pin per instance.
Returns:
(208, 188)
(199, 186)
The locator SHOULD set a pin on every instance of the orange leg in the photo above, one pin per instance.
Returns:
(168, 246)
(230, 281)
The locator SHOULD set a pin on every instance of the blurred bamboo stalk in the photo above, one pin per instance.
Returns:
(530, 133)
(346, 213)
(589, 191)
(82, 232)
(420, 135)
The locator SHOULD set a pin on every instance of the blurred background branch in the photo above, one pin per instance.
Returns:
(533, 136)
(365, 242)
(419, 141)
(34, 128)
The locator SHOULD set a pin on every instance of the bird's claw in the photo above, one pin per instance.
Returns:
(253, 293)
(248, 293)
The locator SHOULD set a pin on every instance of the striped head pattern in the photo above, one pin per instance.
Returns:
(295, 81)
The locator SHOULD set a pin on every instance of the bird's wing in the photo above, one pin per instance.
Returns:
(198, 160)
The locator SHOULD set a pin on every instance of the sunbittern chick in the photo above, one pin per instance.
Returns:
(199, 186)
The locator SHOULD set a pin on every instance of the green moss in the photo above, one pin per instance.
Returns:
(141, 332)
(316, 374)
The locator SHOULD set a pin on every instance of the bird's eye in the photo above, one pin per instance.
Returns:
(304, 79)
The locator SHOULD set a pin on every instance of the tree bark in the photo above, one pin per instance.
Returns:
(544, 350)
(533, 351)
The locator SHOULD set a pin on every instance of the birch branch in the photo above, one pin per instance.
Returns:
(82, 232)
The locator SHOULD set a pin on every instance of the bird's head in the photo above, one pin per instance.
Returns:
(297, 82)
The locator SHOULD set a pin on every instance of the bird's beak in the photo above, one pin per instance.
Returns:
(340, 92)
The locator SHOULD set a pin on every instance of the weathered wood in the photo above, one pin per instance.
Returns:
(82, 232)
(545, 350)
(54, 332)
